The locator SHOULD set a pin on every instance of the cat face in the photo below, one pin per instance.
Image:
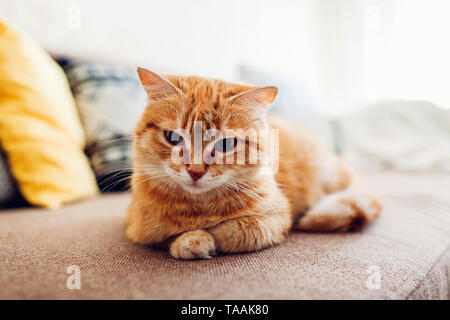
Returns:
(198, 135)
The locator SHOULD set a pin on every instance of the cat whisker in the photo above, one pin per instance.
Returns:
(112, 184)
(126, 138)
(146, 180)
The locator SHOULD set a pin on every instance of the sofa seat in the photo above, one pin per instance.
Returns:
(403, 255)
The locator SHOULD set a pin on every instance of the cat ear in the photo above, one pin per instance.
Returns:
(259, 97)
(155, 85)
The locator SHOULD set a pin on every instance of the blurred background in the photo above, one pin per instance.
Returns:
(346, 53)
(370, 76)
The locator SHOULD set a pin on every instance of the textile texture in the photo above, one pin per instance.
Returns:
(110, 100)
(408, 246)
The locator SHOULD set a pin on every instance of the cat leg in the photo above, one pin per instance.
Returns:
(196, 244)
(250, 233)
(147, 229)
(346, 210)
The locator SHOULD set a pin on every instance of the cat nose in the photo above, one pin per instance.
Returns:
(196, 172)
(196, 175)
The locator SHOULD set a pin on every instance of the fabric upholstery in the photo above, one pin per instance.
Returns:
(39, 126)
(110, 100)
(408, 245)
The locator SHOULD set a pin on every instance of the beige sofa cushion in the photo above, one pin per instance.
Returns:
(408, 245)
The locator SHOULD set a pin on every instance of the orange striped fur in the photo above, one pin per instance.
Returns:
(233, 207)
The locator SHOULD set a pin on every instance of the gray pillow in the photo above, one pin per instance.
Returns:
(8, 188)
(110, 100)
(294, 100)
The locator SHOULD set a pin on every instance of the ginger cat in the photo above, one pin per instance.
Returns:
(186, 196)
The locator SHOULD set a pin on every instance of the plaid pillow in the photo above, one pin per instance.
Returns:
(110, 100)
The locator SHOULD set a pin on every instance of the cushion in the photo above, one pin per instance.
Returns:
(39, 125)
(294, 100)
(403, 255)
(8, 188)
(397, 134)
(110, 100)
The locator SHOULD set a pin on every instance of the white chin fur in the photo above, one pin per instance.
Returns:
(204, 184)
(196, 189)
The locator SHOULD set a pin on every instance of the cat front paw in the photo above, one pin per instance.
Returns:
(197, 244)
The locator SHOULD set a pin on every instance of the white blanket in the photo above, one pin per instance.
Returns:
(412, 136)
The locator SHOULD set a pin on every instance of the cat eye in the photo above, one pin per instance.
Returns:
(173, 138)
(225, 145)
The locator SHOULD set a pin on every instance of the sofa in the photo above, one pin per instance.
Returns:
(65, 238)
(403, 255)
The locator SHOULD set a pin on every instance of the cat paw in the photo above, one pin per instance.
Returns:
(197, 244)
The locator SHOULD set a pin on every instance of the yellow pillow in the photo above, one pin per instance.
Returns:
(39, 125)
